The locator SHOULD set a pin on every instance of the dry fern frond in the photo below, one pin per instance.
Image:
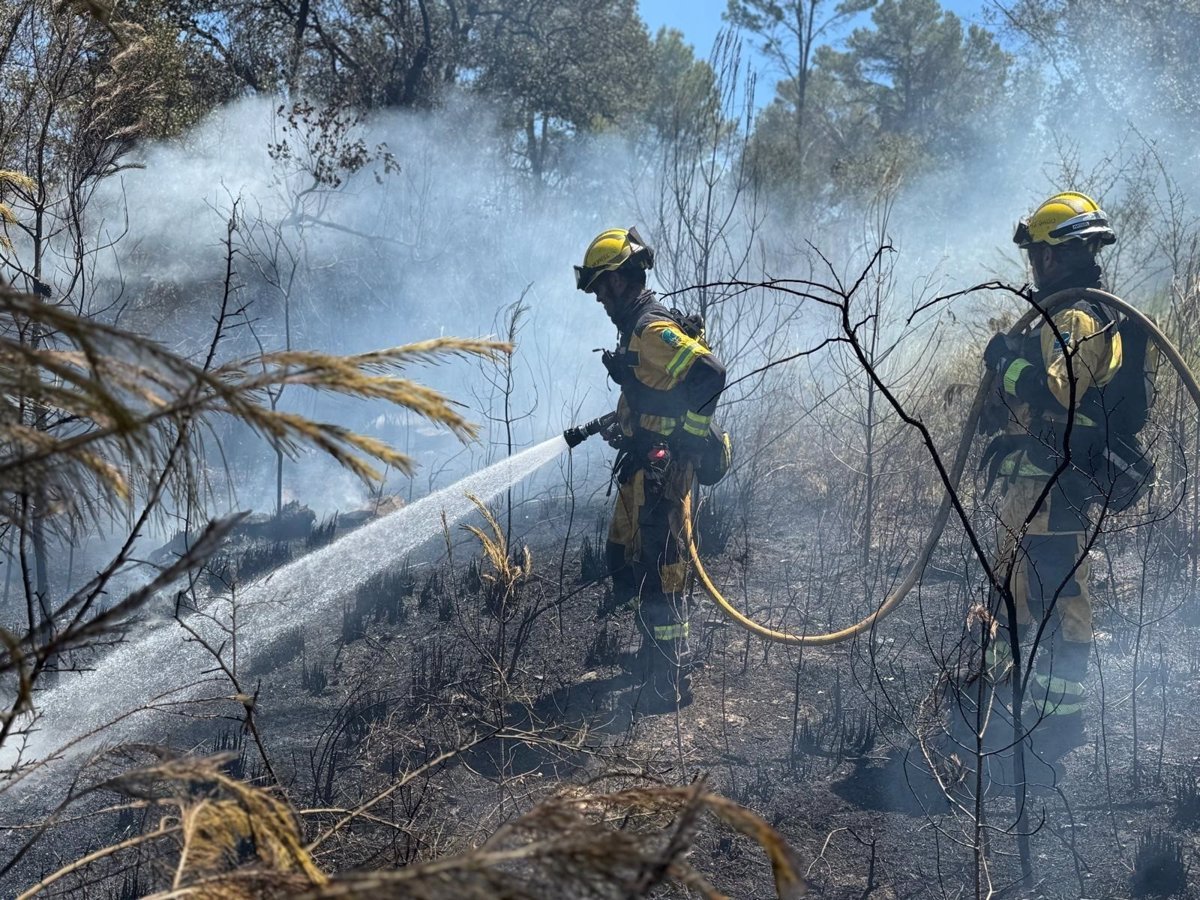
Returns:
(581, 845)
(232, 841)
(99, 401)
(227, 825)
(10, 178)
(18, 180)
(250, 830)
(508, 574)
(419, 352)
(235, 841)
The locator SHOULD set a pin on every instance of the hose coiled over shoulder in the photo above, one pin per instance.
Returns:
(954, 473)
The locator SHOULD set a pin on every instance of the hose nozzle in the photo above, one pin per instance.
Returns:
(577, 434)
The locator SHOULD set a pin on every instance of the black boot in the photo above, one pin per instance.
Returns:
(1056, 699)
(1056, 736)
(666, 684)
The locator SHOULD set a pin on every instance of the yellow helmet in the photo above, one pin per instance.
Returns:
(1068, 216)
(609, 251)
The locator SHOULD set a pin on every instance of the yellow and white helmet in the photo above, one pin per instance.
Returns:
(608, 252)
(1068, 216)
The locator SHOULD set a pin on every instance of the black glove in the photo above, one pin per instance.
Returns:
(994, 415)
(614, 436)
(688, 447)
(999, 352)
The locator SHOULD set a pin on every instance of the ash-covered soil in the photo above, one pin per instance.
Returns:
(836, 747)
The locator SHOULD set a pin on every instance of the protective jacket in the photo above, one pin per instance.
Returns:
(669, 378)
(1058, 376)
(670, 382)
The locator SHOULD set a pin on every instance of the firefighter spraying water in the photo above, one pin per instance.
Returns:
(1068, 387)
(663, 432)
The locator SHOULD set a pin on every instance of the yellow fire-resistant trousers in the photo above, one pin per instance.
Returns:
(645, 549)
(1049, 584)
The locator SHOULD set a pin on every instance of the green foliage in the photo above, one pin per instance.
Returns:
(916, 87)
(368, 55)
(188, 82)
(789, 34)
(1124, 59)
(559, 67)
(789, 31)
(912, 89)
(682, 90)
(918, 74)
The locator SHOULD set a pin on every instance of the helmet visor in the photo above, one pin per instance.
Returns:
(1084, 225)
(585, 276)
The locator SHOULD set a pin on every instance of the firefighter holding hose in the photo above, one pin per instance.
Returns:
(1069, 397)
(670, 382)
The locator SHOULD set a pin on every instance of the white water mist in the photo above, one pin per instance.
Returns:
(162, 668)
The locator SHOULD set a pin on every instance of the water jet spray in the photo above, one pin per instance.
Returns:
(157, 668)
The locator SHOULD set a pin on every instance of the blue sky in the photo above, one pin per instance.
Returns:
(700, 20)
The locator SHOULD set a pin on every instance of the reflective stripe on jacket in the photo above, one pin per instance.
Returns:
(674, 380)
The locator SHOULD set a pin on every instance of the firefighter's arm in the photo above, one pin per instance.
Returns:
(687, 365)
(1045, 382)
(1080, 336)
(704, 381)
(1019, 379)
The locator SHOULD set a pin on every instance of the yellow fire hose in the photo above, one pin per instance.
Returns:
(1053, 302)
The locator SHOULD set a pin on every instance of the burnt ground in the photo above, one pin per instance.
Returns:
(822, 742)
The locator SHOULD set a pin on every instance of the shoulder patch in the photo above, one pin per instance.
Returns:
(670, 338)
